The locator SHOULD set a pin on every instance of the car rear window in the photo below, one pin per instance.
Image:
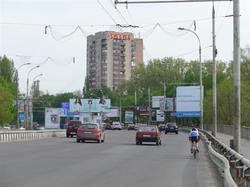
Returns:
(74, 123)
(89, 126)
(147, 129)
(171, 124)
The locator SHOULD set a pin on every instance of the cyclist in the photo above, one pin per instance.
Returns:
(194, 138)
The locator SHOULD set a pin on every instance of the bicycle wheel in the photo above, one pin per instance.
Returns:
(194, 153)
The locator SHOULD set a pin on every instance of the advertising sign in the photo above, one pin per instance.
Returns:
(113, 113)
(188, 100)
(129, 117)
(157, 101)
(52, 117)
(160, 116)
(89, 105)
(169, 106)
(21, 116)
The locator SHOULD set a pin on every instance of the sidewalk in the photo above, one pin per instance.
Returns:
(244, 145)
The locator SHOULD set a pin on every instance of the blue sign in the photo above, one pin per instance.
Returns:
(21, 116)
(65, 105)
(186, 114)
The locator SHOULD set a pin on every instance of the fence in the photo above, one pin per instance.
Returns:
(228, 129)
(11, 136)
(229, 160)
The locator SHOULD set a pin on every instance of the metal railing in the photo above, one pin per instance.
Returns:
(229, 160)
(12, 136)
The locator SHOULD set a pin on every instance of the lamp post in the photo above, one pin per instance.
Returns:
(17, 104)
(201, 93)
(27, 96)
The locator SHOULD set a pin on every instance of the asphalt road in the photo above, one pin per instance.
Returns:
(61, 162)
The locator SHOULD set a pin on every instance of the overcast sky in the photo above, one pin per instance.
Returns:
(23, 38)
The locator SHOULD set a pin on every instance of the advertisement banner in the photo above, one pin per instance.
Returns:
(188, 99)
(160, 116)
(113, 113)
(157, 101)
(89, 105)
(52, 117)
(169, 106)
(129, 117)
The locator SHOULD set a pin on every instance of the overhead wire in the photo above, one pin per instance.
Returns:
(107, 12)
(64, 36)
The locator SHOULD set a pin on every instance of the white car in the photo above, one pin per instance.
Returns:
(116, 126)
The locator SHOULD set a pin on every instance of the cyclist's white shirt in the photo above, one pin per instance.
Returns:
(194, 133)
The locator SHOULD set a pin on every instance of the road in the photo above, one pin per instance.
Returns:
(61, 162)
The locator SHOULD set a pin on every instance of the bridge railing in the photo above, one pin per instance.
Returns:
(235, 168)
(11, 136)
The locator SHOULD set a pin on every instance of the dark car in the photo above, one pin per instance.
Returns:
(73, 125)
(162, 127)
(171, 127)
(148, 134)
(90, 131)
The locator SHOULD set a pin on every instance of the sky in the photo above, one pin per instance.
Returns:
(61, 50)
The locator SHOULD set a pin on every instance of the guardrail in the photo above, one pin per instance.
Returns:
(11, 136)
(227, 158)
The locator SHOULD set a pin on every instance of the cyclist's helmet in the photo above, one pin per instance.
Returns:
(194, 129)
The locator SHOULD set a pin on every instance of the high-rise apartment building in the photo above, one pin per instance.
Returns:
(111, 58)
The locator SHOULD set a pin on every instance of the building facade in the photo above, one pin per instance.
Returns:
(111, 58)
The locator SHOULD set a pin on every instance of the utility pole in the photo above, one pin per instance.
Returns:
(236, 76)
(149, 107)
(214, 74)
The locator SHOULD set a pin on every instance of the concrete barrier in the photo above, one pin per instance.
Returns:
(12, 136)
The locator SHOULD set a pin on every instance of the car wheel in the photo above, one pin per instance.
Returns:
(67, 135)
(176, 132)
(166, 132)
(71, 135)
(78, 141)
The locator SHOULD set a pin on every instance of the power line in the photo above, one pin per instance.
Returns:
(110, 16)
(65, 36)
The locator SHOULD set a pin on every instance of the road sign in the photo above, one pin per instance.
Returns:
(21, 116)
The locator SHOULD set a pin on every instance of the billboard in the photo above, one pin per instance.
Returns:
(52, 117)
(89, 105)
(113, 113)
(158, 101)
(169, 106)
(188, 100)
(160, 116)
(129, 117)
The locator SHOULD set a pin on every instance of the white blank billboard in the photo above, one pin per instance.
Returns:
(188, 98)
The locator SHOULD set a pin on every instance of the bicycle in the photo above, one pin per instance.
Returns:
(194, 149)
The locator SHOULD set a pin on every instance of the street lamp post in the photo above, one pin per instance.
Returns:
(17, 104)
(27, 97)
(201, 92)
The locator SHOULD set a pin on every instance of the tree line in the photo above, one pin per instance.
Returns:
(153, 75)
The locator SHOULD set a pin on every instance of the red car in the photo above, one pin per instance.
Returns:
(90, 131)
(72, 127)
(148, 134)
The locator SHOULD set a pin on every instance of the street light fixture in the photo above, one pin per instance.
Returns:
(201, 93)
(27, 96)
(17, 104)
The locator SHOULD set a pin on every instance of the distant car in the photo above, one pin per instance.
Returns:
(90, 131)
(116, 126)
(171, 127)
(73, 125)
(162, 127)
(148, 134)
(131, 126)
(21, 128)
(108, 126)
